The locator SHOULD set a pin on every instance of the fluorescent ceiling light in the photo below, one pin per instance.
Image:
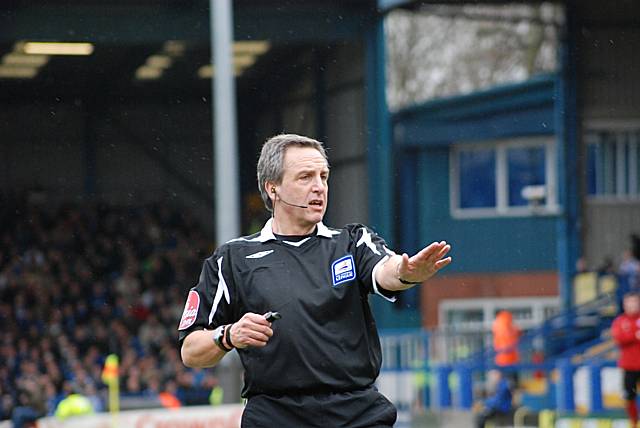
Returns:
(206, 71)
(244, 61)
(16, 72)
(22, 59)
(251, 47)
(209, 71)
(159, 61)
(56, 48)
(174, 47)
(148, 73)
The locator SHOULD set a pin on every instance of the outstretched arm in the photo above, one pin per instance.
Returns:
(413, 270)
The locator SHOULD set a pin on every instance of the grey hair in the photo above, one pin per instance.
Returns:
(271, 161)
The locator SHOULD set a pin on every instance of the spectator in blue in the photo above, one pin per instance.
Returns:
(499, 402)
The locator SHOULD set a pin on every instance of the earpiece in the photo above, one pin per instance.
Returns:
(273, 190)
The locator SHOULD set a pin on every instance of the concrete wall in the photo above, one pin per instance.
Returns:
(609, 95)
(609, 64)
(342, 123)
(346, 137)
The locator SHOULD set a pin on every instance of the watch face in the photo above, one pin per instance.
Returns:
(218, 334)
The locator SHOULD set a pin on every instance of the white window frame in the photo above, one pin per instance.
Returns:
(489, 306)
(502, 208)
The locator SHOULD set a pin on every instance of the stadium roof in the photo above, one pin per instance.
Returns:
(156, 47)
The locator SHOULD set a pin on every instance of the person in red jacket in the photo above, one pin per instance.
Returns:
(626, 333)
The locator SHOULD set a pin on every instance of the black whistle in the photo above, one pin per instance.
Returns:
(272, 316)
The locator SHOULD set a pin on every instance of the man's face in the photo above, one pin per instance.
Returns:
(304, 182)
(631, 305)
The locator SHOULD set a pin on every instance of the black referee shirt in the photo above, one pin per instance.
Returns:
(326, 340)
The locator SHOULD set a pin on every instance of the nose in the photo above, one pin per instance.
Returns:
(318, 185)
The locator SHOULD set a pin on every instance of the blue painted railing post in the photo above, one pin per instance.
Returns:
(426, 367)
(564, 391)
(595, 382)
(442, 385)
(465, 383)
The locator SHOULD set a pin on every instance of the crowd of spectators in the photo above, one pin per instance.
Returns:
(78, 282)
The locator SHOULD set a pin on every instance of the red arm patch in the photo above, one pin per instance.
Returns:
(190, 312)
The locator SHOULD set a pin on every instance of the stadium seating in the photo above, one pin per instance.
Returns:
(78, 282)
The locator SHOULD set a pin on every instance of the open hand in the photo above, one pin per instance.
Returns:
(426, 263)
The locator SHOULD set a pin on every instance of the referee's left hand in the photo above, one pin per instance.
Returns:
(251, 330)
(426, 263)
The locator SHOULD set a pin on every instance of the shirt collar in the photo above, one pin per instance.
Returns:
(266, 234)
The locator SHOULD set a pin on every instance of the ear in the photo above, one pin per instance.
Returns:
(270, 188)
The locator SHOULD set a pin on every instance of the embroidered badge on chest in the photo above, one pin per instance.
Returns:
(343, 270)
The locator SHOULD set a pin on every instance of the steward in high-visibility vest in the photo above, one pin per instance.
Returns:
(505, 339)
(74, 405)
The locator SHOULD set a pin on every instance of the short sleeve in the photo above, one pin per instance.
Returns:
(209, 303)
(371, 252)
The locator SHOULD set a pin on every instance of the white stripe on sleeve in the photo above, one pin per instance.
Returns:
(222, 289)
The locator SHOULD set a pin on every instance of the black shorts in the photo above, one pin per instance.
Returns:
(365, 408)
(631, 379)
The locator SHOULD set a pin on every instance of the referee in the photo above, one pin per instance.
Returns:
(316, 365)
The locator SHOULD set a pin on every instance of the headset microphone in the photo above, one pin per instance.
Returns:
(273, 190)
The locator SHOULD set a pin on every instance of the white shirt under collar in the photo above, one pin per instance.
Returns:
(266, 234)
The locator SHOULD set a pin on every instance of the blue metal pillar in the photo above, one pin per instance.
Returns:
(442, 385)
(465, 383)
(564, 392)
(595, 383)
(567, 125)
(378, 129)
(380, 153)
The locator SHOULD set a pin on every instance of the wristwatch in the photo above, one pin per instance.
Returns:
(218, 335)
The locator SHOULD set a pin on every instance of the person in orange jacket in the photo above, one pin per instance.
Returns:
(505, 339)
(626, 332)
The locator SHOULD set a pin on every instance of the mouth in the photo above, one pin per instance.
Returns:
(316, 203)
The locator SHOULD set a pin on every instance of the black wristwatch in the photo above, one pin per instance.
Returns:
(218, 335)
(408, 282)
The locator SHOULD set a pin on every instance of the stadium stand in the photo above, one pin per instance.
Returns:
(78, 282)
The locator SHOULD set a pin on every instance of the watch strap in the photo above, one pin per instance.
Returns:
(218, 335)
(227, 332)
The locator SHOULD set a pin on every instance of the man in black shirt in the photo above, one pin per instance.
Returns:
(315, 366)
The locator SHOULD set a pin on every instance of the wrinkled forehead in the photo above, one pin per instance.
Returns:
(303, 158)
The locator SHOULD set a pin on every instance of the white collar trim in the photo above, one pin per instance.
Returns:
(266, 234)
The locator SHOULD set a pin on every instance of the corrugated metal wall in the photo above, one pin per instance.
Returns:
(609, 225)
(610, 100)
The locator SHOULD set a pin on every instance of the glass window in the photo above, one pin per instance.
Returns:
(519, 313)
(488, 178)
(526, 167)
(465, 316)
(477, 178)
(592, 168)
(613, 164)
